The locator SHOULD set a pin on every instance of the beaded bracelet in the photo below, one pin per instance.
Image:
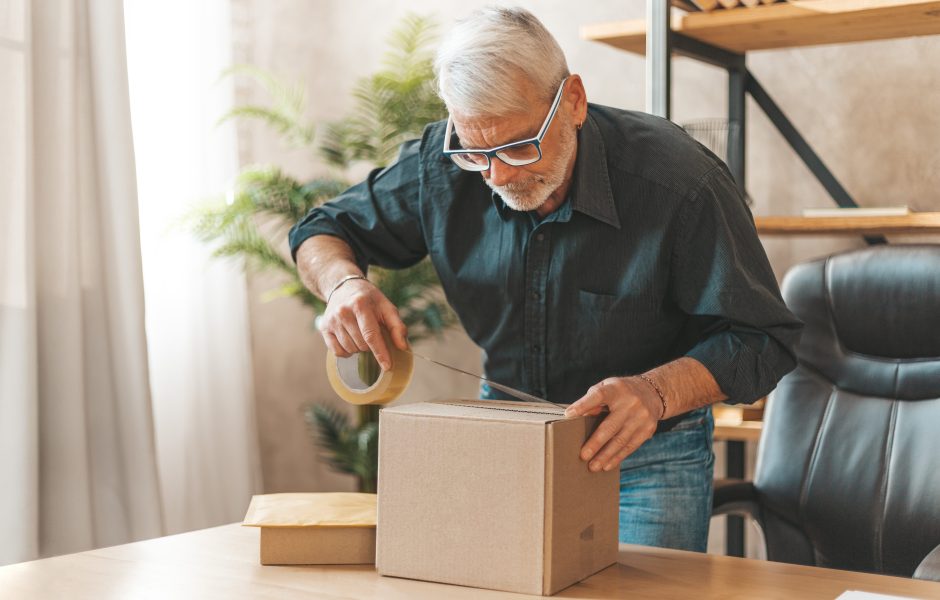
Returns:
(662, 397)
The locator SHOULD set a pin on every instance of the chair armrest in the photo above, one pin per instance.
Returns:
(735, 496)
(929, 568)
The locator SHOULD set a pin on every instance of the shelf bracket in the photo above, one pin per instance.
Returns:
(802, 148)
(705, 52)
(735, 64)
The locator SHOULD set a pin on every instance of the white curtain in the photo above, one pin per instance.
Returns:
(77, 454)
(197, 316)
(86, 458)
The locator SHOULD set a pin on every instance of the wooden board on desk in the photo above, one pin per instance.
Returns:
(786, 24)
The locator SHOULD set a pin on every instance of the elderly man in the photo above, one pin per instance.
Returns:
(599, 257)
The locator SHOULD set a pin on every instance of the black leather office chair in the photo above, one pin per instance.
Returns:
(848, 468)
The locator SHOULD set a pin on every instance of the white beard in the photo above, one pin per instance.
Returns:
(532, 193)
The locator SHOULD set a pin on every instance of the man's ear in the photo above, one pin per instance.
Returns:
(576, 98)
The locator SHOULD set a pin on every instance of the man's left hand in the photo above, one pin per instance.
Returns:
(635, 409)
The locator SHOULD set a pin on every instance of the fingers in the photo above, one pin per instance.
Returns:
(373, 338)
(631, 436)
(608, 428)
(333, 344)
(393, 323)
(345, 341)
(625, 429)
(353, 322)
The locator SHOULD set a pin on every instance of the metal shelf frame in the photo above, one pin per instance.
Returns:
(662, 42)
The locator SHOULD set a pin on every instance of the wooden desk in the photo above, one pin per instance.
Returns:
(223, 563)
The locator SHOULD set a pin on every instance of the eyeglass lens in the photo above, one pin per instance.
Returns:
(523, 154)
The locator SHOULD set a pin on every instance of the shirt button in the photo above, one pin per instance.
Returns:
(540, 236)
(535, 295)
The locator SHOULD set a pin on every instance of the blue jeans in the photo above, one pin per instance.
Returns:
(666, 486)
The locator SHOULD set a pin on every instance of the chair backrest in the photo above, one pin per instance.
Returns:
(848, 471)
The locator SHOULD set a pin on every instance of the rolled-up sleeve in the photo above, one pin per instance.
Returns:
(722, 273)
(379, 218)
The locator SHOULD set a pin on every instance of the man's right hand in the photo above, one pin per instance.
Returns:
(353, 321)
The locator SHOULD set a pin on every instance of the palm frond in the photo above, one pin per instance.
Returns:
(391, 106)
(332, 428)
(277, 119)
(286, 116)
(345, 448)
(294, 288)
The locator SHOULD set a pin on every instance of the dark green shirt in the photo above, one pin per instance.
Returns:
(653, 256)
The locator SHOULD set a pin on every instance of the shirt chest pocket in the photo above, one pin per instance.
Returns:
(605, 319)
(615, 329)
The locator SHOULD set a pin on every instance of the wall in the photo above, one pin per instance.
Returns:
(870, 111)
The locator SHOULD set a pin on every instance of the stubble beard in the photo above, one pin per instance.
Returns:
(533, 192)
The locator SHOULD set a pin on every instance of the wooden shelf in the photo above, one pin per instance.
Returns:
(786, 25)
(747, 431)
(738, 423)
(914, 223)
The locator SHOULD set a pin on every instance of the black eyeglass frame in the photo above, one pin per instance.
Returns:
(499, 151)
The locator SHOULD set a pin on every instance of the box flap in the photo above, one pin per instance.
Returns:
(483, 410)
(336, 509)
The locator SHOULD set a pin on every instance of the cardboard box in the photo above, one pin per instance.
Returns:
(492, 494)
(314, 529)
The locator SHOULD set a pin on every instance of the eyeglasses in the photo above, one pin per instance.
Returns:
(516, 154)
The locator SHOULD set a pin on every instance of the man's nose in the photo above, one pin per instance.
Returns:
(499, 172)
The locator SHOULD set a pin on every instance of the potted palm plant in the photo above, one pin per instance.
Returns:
(389, 107)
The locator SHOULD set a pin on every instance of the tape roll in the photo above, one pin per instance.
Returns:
(358, 379)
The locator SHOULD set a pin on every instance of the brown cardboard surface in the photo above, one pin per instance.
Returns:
(491, 495)
(585, 540)
(317, 545)
(333, 528)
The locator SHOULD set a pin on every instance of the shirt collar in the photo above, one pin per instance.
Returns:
(590, 191)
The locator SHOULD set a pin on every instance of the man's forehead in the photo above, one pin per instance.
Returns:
(496, 130)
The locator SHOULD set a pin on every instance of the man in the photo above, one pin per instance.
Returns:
(599, 257)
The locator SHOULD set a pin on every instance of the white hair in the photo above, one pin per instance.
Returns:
(480, 62)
